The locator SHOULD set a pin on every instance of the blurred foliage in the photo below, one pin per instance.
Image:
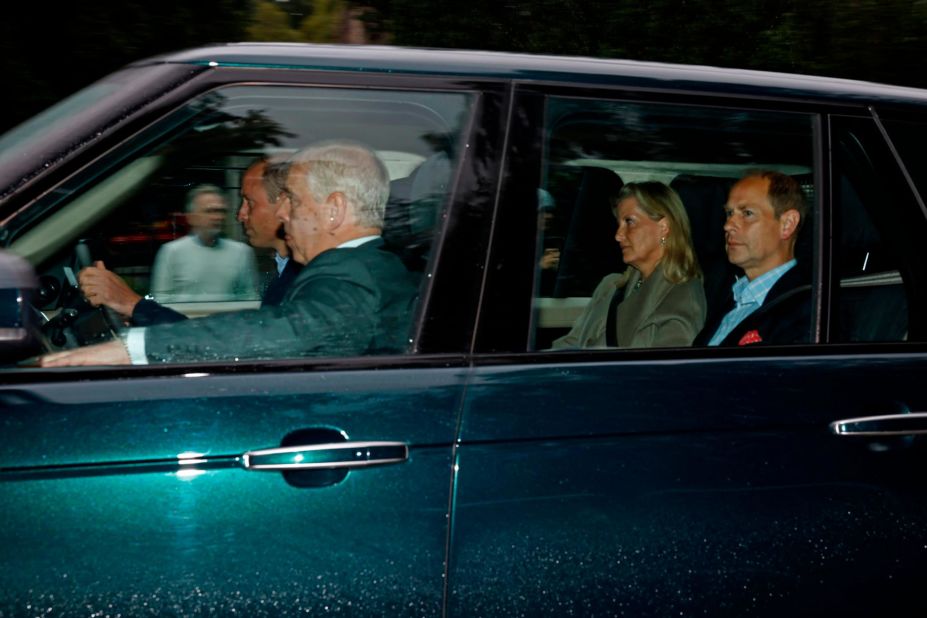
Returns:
(318, 22)
(879, 40)
(48, 50)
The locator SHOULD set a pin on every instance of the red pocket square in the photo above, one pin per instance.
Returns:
(749, 337)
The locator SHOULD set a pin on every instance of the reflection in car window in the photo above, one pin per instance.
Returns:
(596, 147)
(138, 211)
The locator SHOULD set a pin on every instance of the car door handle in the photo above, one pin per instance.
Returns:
(887, 425)
(331, 456)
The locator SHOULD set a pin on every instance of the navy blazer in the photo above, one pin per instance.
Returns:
(784, 317)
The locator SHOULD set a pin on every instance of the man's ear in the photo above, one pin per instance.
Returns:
(336, 211)
(788, 223)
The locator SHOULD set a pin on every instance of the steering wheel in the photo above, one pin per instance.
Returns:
(78, 323)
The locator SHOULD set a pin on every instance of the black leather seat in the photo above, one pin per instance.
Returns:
(413, 209)
(590, 251)
(704, 198)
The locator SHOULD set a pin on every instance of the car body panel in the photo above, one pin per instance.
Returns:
(120, 505)
(678, 486)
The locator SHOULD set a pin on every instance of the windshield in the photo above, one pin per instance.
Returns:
(40, 141)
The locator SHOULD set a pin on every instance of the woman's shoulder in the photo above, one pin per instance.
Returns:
(612, 282)
(690, 293)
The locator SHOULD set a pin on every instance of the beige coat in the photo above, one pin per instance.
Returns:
(659, 314)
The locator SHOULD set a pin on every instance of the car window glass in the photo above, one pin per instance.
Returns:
(593, 148)
(151, 209)
(908, 137)
(878, 226)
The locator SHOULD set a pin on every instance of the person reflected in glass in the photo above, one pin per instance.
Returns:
(203, 266)
(261, 186)
(352, 297)
(659, 300)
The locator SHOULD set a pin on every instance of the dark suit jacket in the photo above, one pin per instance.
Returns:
(345, 302)
(149, 313)
(784, 317)
(277, 288)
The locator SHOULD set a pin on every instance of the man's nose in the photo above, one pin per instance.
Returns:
(242, 215)
(619, 234)
(283, 210)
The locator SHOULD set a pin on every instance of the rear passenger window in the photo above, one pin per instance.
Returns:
(908, 137)
(596, 151)
(879, 264)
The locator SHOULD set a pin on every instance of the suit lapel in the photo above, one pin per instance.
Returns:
(639, 305)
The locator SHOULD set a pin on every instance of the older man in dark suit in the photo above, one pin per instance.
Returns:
(352, 297)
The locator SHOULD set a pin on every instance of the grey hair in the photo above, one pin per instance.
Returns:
(199, 190)
(351, 168)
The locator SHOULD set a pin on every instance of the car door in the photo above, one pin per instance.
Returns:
(722, 481)
(276, 486)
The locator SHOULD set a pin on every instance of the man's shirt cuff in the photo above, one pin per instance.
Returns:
(135, 346)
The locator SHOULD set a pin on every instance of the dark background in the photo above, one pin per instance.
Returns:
(49, 50)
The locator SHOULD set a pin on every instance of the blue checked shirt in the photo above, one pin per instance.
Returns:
(748, 297)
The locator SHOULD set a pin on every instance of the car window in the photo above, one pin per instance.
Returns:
(908, 137)
(878, 227)
(594, 150)
(161, 212)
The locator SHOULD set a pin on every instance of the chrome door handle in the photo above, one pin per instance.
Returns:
(887, 425)
(330, 456)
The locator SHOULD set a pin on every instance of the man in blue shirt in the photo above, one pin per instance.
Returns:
(771, 303)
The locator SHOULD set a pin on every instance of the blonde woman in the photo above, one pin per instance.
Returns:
(659, 300)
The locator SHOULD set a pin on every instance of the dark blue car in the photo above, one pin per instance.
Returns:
(481, 472)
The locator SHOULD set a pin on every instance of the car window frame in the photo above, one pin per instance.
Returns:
(503, 332)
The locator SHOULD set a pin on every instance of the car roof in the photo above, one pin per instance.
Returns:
(542, 68)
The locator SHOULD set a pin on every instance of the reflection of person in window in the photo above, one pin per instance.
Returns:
(549, 260)
(772, 303)
(202, 266)
(659, 300)
(352, 297)
(261, 185)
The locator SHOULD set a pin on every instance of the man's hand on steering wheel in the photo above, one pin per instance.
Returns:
(102, 287)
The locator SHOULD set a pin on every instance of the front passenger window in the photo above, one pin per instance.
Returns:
(172, 214)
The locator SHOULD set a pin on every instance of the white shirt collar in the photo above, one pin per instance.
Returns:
(356, 242)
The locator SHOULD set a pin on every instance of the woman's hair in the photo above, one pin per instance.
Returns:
(658, 201)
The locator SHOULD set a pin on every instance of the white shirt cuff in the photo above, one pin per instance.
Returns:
(135, 346)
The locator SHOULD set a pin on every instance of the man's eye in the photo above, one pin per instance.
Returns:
(748, 213)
